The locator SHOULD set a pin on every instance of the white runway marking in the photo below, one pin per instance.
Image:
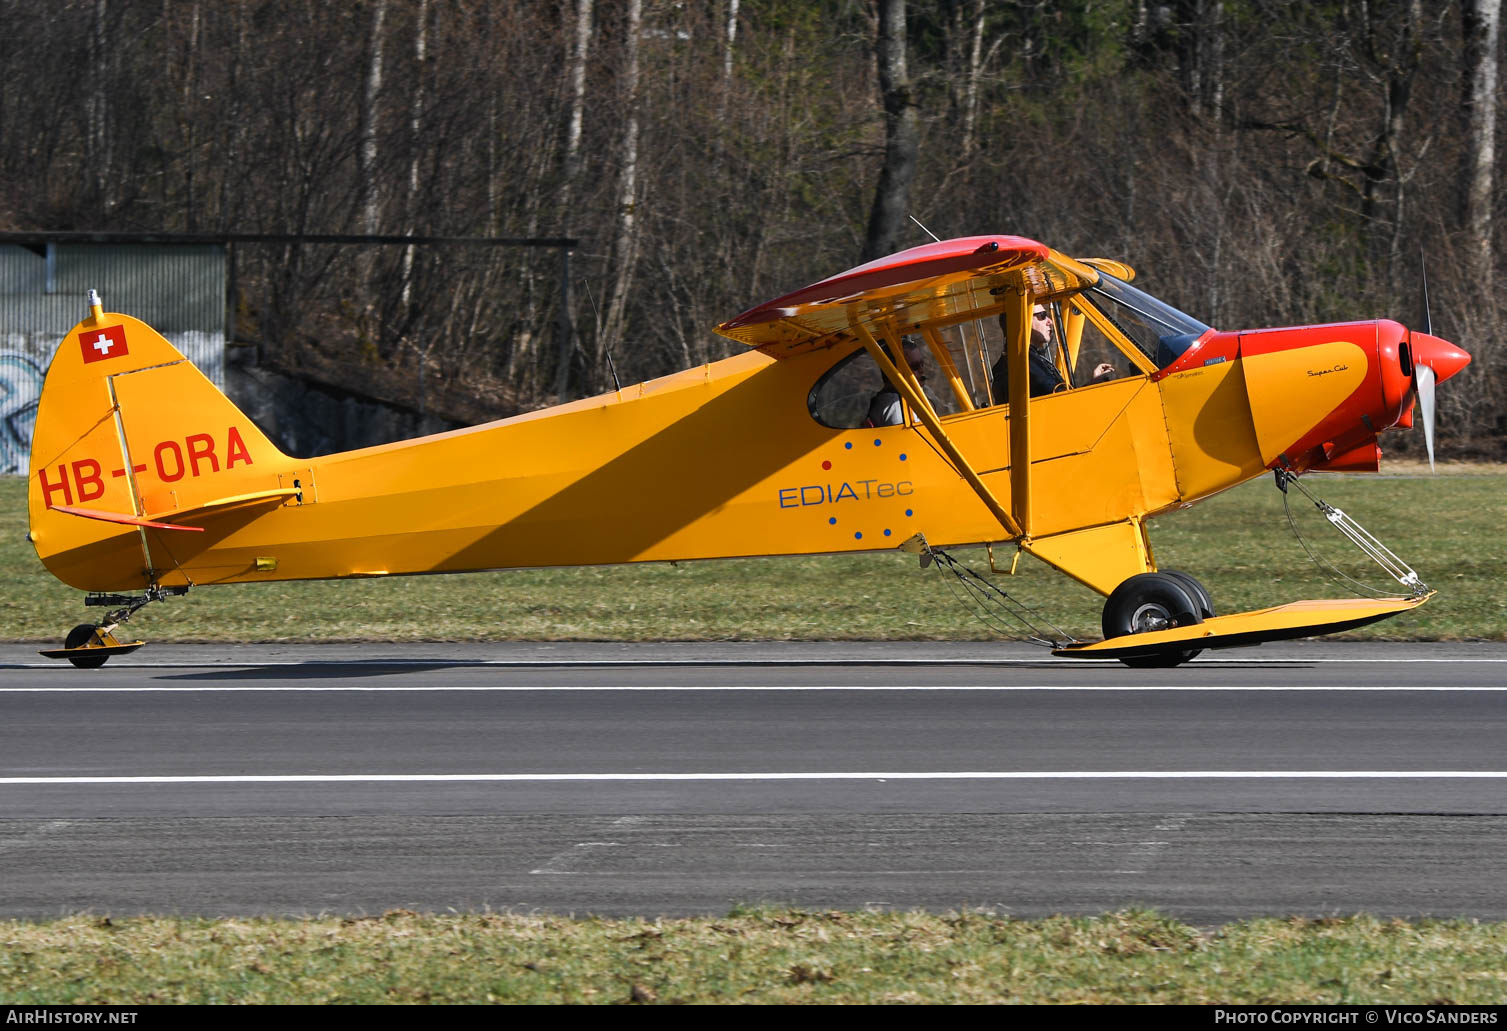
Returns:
(706, 688)
(431, 778)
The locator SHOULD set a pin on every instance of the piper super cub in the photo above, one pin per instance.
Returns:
(982, 390)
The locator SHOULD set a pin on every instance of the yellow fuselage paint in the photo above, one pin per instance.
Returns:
(718, 461)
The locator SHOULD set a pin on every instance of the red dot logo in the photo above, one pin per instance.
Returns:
(826, 465)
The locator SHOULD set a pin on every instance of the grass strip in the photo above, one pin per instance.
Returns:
(762, 955)
(1448, 527)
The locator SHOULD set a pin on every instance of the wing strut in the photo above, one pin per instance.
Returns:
(943, 356)
(918, 403)
(1017, 354)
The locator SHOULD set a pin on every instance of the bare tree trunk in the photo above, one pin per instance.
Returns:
(1399, 91)
(727, 41)
(370, 214)
(975, 70)
(494, 186)
(1214, 61)
(236, 131)
(625, 242)
(416, 131)
(580, 51)
(188, 95)
(1397, 61)
(98, 146)
(727, 57)
(902, 135)
(1482, 30)
(1140, 25)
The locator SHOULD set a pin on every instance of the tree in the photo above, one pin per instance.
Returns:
(370, 211)
(902, 136)
(1481, 27)
(625, 235)
(580, 49)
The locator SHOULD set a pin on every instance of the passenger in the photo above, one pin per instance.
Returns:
(885, 408)
(1045, 379)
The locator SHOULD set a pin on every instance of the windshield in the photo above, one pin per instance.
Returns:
(1161, 331)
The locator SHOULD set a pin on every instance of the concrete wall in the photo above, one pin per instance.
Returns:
(306, 420)
(178, 289)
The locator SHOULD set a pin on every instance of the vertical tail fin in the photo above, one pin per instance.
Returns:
(129, 432)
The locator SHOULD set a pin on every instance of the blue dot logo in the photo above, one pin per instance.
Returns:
(848, 445)
(877, 441)
(886, 533)
(909, 512)
(832, 521)
(857, 536)
(902, 456)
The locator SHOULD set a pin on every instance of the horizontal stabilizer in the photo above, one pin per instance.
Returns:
(155, 521)
(257, 497)
(120, 517)
(1280, 623)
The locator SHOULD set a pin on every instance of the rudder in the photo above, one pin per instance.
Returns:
(127, 429)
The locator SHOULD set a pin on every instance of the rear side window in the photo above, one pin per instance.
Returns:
(840, 399)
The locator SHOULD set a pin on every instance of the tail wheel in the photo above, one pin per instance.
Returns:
(77, 638)
(1149, 602)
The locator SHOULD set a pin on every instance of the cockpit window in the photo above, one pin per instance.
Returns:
(840, 399)
(854, 393)
(1161, 331)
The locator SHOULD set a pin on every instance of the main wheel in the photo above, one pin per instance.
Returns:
(1148, 602)
(1200, 595)
(1195, 590)
(77, 638)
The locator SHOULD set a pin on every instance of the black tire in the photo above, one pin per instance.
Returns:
(77, 638)
(1196, 591)
(1200, 595)
(1148, 602)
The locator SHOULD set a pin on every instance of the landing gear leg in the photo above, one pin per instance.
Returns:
(89, 646)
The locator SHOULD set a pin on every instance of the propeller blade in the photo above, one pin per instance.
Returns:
(1423, 381)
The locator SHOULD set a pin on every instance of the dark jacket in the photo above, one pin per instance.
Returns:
(1045, 379)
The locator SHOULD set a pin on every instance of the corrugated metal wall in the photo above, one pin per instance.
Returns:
(178, 289)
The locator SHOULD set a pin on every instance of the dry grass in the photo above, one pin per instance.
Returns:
(761, 956)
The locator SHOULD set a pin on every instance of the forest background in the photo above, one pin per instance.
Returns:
(1260, 163)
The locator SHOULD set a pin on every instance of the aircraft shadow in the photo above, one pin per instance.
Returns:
(366, 669)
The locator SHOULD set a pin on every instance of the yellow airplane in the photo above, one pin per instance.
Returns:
(1064, 408)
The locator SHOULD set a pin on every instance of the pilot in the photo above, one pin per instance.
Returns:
(885, 408)
(1045, 379)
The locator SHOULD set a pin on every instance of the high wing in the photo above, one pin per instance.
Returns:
(920, 291)
(936, 284)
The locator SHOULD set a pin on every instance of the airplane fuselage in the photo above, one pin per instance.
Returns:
(717, 461)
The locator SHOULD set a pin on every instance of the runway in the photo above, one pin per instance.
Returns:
(671, 779)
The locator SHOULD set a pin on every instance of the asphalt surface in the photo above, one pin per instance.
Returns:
(671, 779)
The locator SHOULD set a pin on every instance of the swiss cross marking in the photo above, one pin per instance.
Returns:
(97, 345)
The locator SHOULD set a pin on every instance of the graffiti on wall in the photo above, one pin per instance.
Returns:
(20, 389)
